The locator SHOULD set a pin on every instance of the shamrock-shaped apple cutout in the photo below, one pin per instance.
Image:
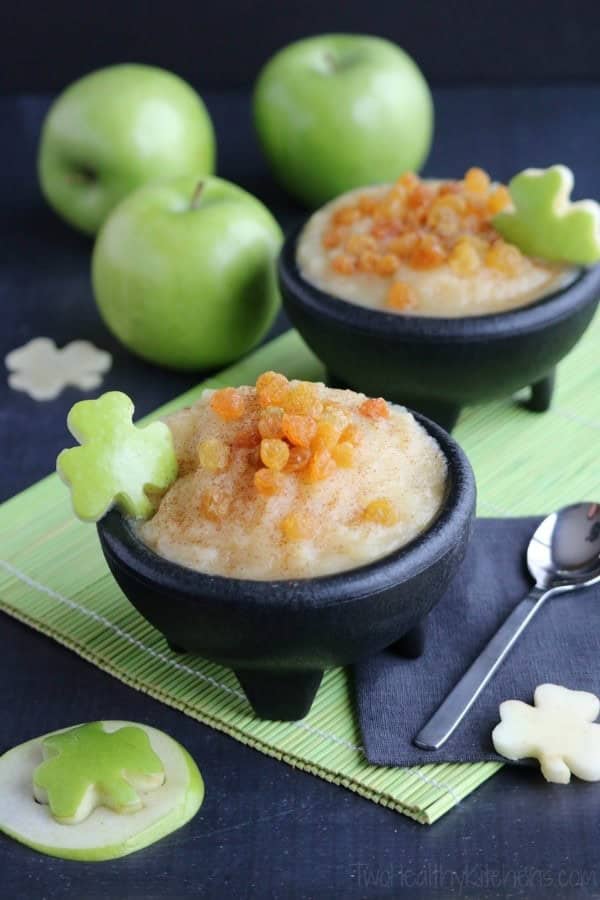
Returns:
(41, 370)
(97, 791)
(117, 461)
(559, 730)
(543, 222)
(87, 767)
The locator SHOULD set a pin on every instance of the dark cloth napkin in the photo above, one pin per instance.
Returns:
(561, 645)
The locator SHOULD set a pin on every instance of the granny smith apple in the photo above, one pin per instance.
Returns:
(114, 130)
(184, 272)
(338, 111)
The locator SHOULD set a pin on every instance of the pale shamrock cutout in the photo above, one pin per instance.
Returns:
(42, 370)
(117, 461)
(544, 222)
(86, 767)
(559, 731)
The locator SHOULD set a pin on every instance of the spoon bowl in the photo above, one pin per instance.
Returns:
(564, 552)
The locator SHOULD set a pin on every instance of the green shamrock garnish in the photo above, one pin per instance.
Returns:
(86, 767)
(117, 461)
(545, 223)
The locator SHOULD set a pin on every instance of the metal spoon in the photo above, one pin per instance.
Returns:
(563, 555)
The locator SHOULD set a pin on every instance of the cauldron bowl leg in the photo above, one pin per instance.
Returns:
(284, 696)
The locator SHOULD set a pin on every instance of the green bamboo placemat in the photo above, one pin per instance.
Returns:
(53, 577)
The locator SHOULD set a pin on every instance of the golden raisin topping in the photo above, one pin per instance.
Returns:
(270, 423)
(213, 455)
(228, 404)
(274, 453)
(271, 389)
(282, 426)
(327, 435)
(247, 439)
(321, 466)
(296, 527)
(400, 295)
(498, 199)
(351, 434)
(477, 181)
(267, 481)
(375, 408)
(332, 238)
(421, 225)
(464, 257)
(298, 459)
(504, 257)
(284, 429)
(343, 455)
(380, 512)
(299, 430)
(343, 263)
(303, 399)
(214, 504)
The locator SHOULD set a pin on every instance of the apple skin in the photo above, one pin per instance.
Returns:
(338, 111)
(114, 130)
(184, 272)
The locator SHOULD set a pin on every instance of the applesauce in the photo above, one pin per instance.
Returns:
(292, 479)
(425, 248)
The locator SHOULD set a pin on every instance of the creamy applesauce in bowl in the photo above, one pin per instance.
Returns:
(424, 248)
(307, 527)
(409, 290)
(294, 480)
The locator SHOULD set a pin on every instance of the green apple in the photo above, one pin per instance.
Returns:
(184, 272)
(114, 130)
(339, 111)
(103, 833)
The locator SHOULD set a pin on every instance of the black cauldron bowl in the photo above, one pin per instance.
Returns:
(279, 636)
(438, 365)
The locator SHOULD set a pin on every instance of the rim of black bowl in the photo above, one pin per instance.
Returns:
(552, 307)
(148, 567)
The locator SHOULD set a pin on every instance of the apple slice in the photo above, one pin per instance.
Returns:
(168, 801)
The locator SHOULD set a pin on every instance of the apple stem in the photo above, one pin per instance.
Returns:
(195, 201)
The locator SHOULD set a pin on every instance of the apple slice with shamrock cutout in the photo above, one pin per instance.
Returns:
(117, 461)
(106, 789)
(87, 767)
(545, 223)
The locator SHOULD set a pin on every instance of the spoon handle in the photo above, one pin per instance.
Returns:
(460, 699)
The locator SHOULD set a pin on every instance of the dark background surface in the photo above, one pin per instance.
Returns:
(222, 44)
(266, 830)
